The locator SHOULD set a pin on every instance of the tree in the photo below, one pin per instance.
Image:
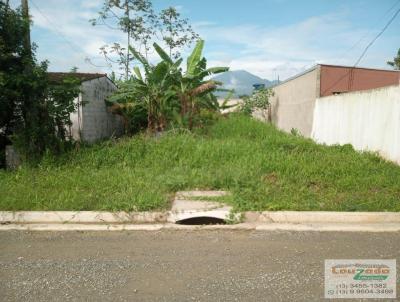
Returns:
(164, 93)
(175, 31)
(133, 17)
(193, 90)
(12, 53)
(396, 61)
(259, 100)
(33, 111)
(142, 26)
(12, 30)
(150, 94)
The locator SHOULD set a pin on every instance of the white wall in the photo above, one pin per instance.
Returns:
(369, 120)
(97, 122)
(92, 121)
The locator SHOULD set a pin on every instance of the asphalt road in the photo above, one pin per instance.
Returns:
(178, 265)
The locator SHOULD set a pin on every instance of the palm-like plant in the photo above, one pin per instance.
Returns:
(194, 90)
(152, 92)
(155, 89)
(165, 91)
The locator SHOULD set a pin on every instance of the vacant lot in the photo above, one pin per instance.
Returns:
(265, 169)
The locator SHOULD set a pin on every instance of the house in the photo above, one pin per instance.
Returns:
(92, 121)
(292, 106)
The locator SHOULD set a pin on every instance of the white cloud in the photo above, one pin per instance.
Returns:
(289, 49)
(264, 51)
(91, 3)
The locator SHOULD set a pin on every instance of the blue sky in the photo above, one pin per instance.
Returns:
(266, 37)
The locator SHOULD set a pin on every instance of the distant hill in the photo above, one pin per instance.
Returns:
(241, 81)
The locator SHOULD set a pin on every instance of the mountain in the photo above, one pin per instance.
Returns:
(241, 81)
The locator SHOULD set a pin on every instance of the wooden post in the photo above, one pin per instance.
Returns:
(27, 38)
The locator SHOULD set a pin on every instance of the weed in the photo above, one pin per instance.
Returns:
(263, 168)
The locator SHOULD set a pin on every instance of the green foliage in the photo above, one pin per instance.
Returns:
(33, 111)
(151, 94)
(166, 95)
(263, 168)
(396, 61)
(194, 90)
(134, 18)
(175, 31)
(42, 120)
(259, 100)
(142, 25)
(193, 61)
(12, 29)
(295, 132)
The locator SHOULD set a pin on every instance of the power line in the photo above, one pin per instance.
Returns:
(377, 36)
(376, 23)
(351, 78)
(70, 43)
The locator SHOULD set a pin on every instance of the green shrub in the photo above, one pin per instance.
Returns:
(34, 112)
(259, 100)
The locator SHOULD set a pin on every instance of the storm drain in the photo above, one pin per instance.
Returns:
(187, 209)
(201, 221)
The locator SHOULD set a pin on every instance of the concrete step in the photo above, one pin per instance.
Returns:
(185, 208)
(197, 193)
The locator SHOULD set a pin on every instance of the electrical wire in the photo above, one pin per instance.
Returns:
(377, 36)
(375, 24)
(351, 78)
(71, 44)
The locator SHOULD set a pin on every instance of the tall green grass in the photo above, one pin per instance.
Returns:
(265, 169)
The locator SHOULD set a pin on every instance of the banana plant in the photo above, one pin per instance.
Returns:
(164, 91)
(195, 91)
(151, 92)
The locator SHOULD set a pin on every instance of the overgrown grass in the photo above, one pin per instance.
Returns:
(265, 169)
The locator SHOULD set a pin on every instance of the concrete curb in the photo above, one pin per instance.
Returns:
(375, 228)
(87, 217)
(322, 217)
(283, 217)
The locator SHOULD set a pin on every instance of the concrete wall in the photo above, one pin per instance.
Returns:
(293, 103)
(93, 121)
(369, 120)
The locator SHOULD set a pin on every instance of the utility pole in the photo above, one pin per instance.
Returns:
(30, 113)
(128, 21)
(27, 38)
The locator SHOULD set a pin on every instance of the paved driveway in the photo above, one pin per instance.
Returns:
(177, 265)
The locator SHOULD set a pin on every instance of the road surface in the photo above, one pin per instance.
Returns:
(172, 265)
